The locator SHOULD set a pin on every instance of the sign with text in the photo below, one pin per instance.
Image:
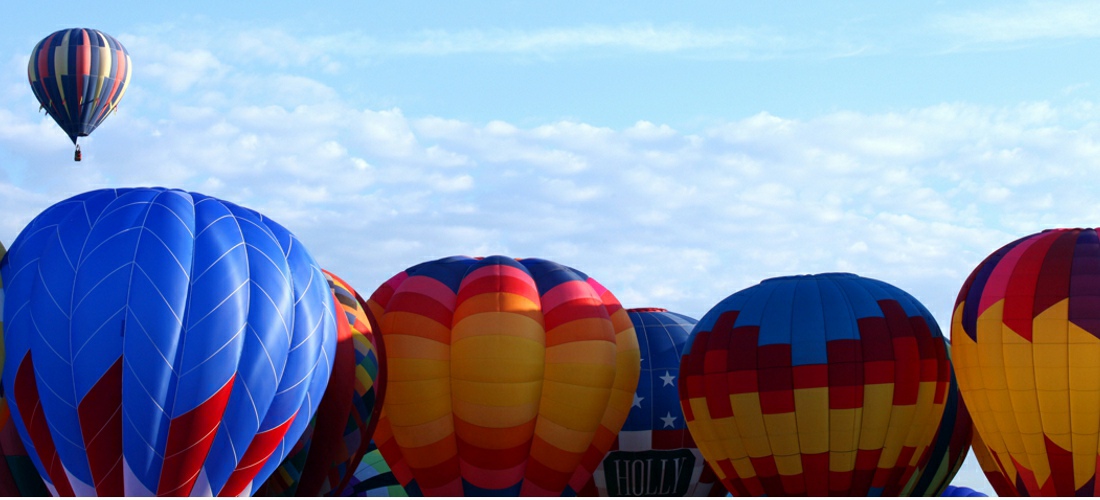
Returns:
(652, 473)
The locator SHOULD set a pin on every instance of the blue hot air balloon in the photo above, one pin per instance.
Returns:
(161, 342)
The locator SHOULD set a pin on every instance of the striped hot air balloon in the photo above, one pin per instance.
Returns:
(505, 377)
(828, 384)
(161, 342)
(79, 75)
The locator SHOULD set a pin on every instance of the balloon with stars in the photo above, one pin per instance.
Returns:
(654, 455)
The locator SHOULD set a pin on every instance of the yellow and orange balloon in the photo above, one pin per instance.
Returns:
(505, 377)
(1026, 340)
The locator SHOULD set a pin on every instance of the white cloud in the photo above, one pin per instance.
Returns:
(1034, 20)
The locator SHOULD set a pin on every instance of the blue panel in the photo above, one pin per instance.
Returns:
(775, 319)
(550, 274)
(808, 323)
(840, 320)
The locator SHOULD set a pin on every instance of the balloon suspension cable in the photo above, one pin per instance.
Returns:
(76, 154)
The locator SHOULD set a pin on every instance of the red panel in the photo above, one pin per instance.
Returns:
(263, 445)
(718, 401)
(189, 438)
(811, 376)
(875, 339)
(742, 382)
(815, 473)
(1052, 285)
(101, 427)
(776, 402)
(34, 419)
(495, 283)
(478, 456)
(1019, 306)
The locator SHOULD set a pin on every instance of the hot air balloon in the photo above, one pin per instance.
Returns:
(948, 450)
(961, 491)
(331, 448)
(1002, 485)
(161, 342)
(79, 75)
(504, 377)
(17, 474)
(654, 454)
(828, 384)
(1027, 354)
(373, 478)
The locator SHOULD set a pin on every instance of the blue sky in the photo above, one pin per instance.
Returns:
(677, 152)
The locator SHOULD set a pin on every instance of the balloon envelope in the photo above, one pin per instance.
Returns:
(79, 75)
(330, 449)
(949, 449)
(654, 454)
(161, 342)
(18, 476)
(1026, 340)
(829, 384)
(505, 377)
(961, 491)
(373, 478)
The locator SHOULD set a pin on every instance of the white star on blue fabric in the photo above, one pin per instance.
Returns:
(637, 401)
(668, 378)
(668, 419)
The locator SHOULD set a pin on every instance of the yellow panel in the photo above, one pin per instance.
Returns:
(1084, 360)
(414, 391)
(1084, 463)
(844, 425)
(595, 352)
(417, 412)
(415, 436)
(497, 394)
(573, 406)
(901, 420)
(496, 358)
(782, 433)
(750, 424)
(495, 417)
(744, 468)
(788, 465)
(877, 403)
(571, 440)
(581, 375)
(412, 370)
(812, 417)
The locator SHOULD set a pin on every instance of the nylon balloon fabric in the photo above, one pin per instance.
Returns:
(161, 342)
(1026, 338)
(327, 454)
(17, 474)
(828, 384)
(951, 445)
(654, 454)
(505, 377)
(373, 478)
(79, 75)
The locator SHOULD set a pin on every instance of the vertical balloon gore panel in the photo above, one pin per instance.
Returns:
(187, 342)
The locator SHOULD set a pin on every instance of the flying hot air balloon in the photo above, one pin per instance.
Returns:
(828, 384)
(1026, 340)
(326, 457)
(79, 75)
(161, 342)
(504, 376)
(654, 454)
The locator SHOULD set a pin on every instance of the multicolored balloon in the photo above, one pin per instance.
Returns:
(951, 445)
(1003, 486)
(828, 384)
(18, 476)
(325, 457)
(1026, 339)
(79, 75)
(374, 478)
(654, 454)
(161, 342)
(505, 377)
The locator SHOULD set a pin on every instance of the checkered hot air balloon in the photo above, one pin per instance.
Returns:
(161, 342)
(79, 75)
(326, 456)
(828, 384)
(654, 454)
(1026, 339)
(504, 376)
